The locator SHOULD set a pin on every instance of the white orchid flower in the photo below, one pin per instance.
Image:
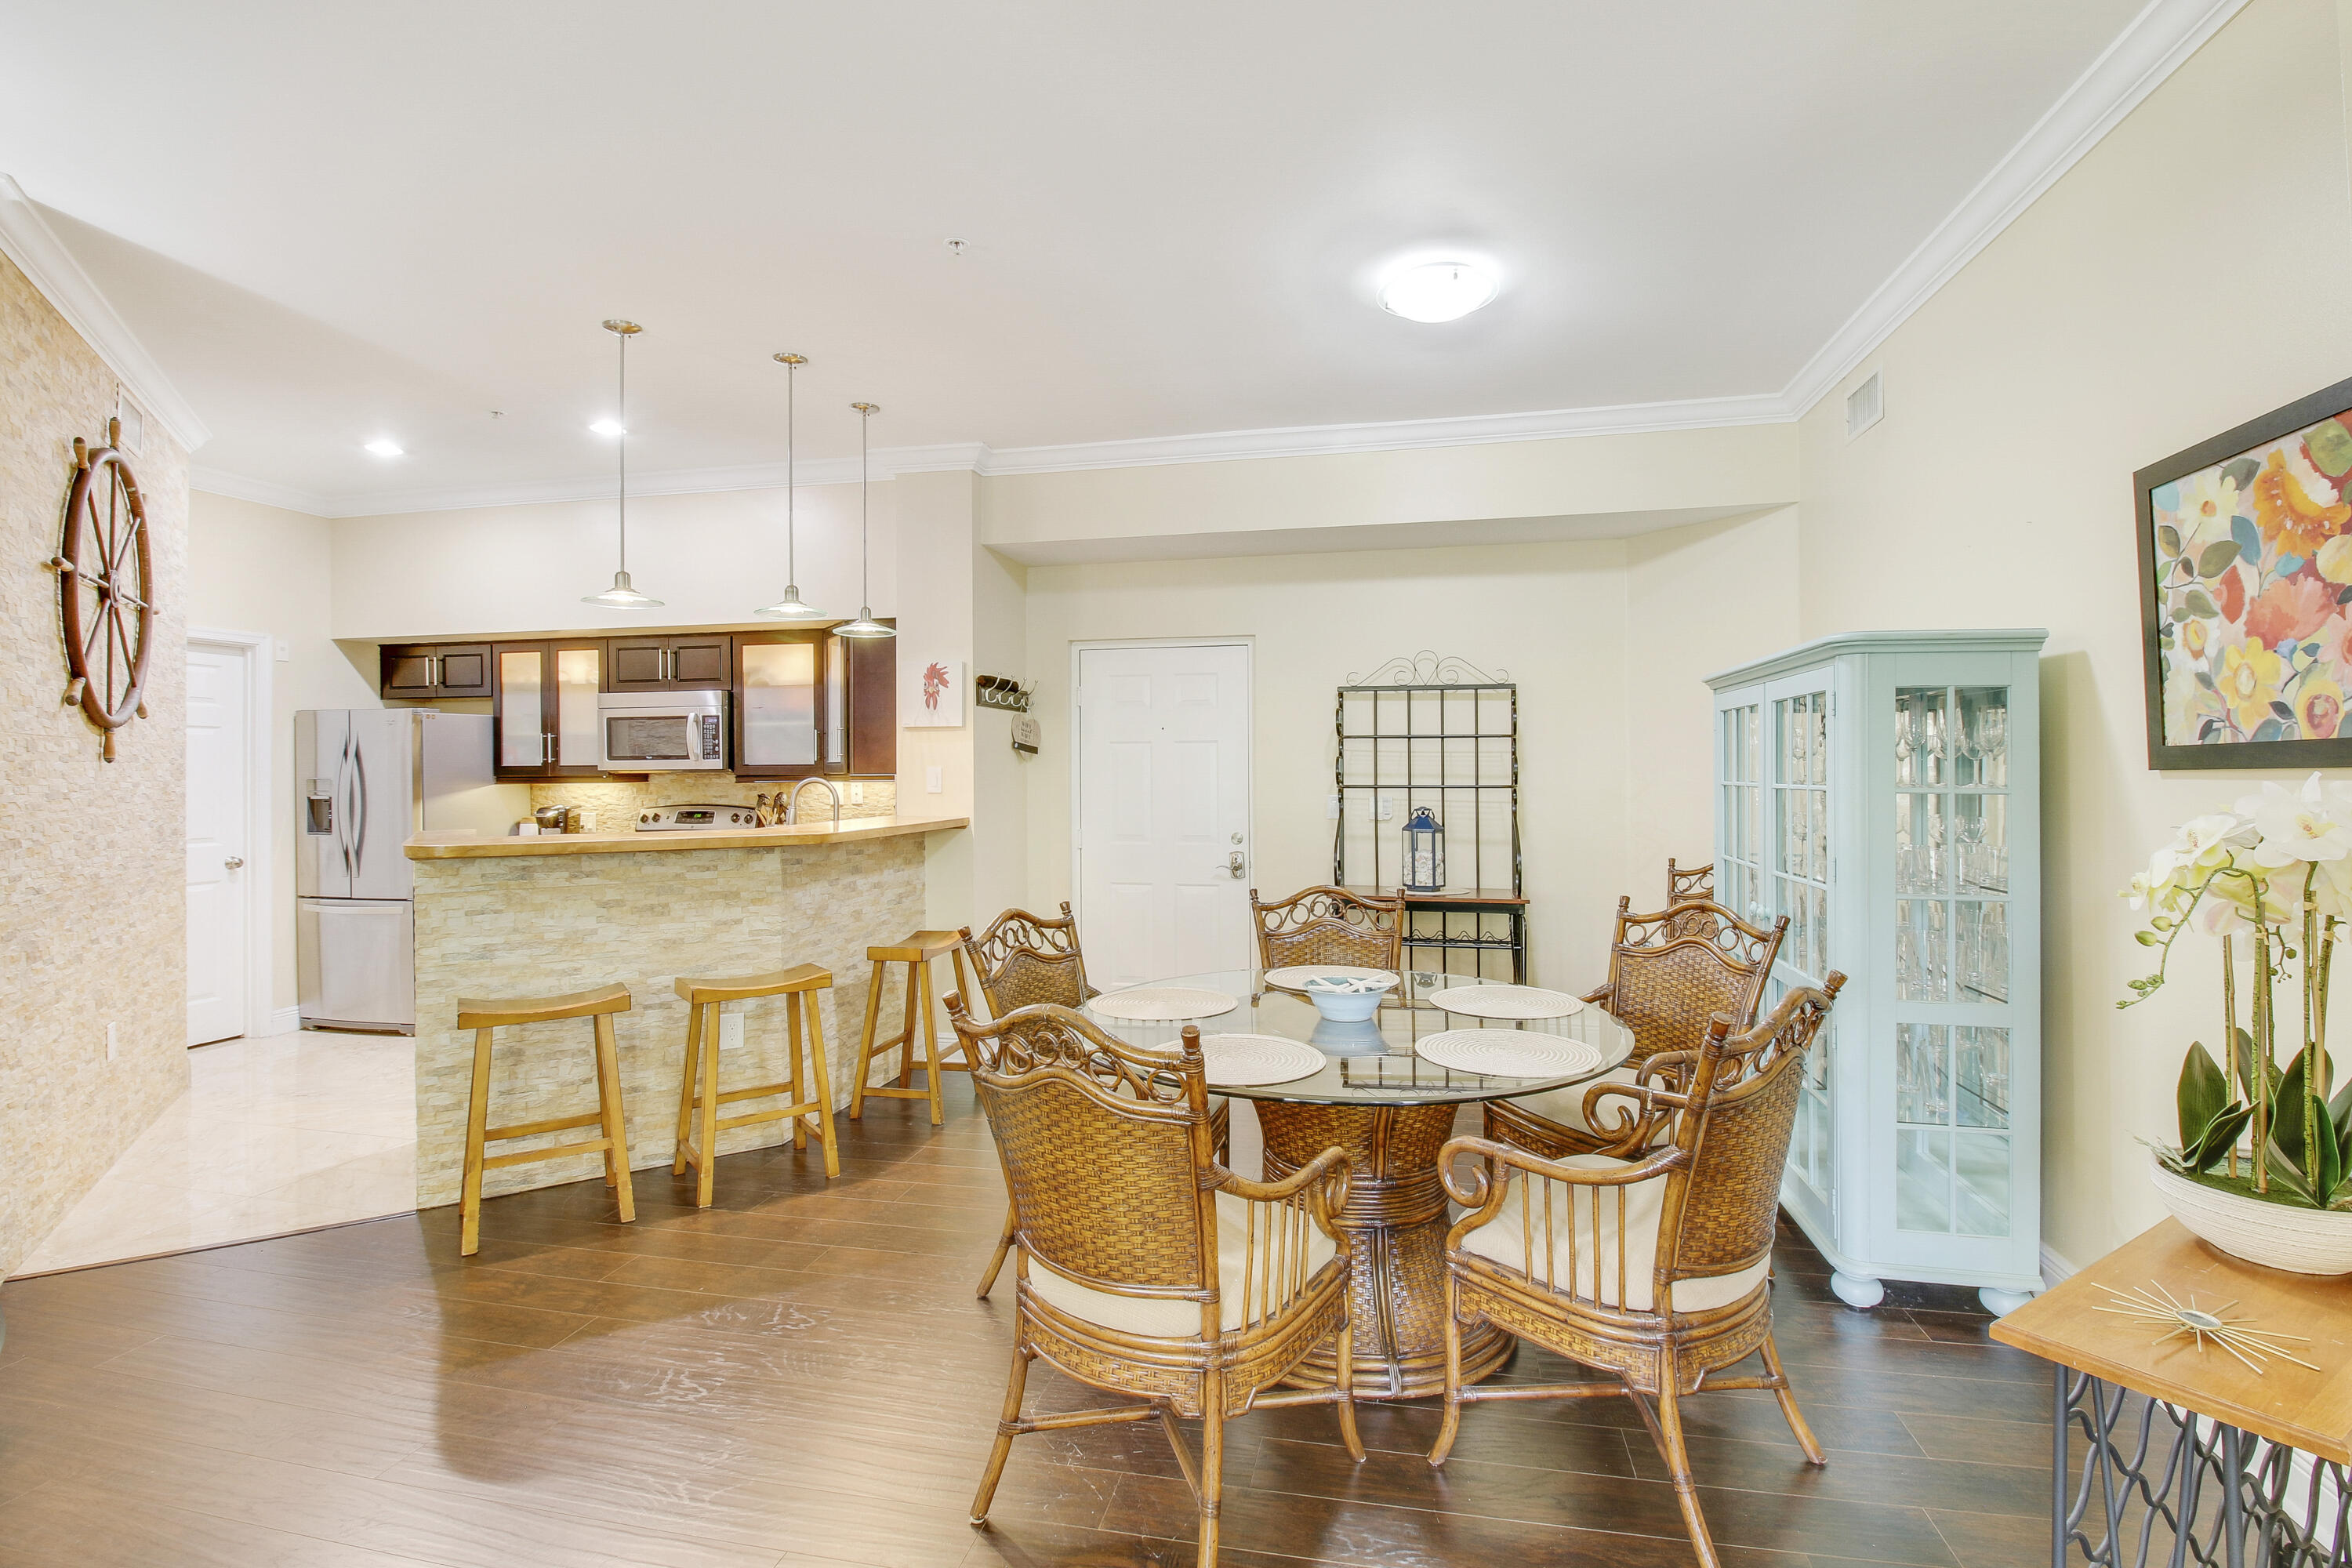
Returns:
(2202, 844)
(2303, 826)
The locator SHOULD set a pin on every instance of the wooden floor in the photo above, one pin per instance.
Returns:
(802, 1376)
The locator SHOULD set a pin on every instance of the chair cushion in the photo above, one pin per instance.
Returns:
(1566, 1106)
(1171, 1320)
(1503, 1240)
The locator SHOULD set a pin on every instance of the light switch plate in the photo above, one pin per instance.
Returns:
(1331, 807)
(284, 649)
(934, 780)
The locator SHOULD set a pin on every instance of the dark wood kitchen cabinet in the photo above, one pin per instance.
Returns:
(862, 686)
(427, 670)
(695, 663)
(543, 719)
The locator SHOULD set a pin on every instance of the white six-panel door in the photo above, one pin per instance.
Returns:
(1163, 810)
(218, 814)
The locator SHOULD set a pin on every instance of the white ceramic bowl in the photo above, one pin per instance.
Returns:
(2299, 1241)
(1349, 1001)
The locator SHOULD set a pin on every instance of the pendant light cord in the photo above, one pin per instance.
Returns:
(865, 542)
(624, 416)
(792, 522)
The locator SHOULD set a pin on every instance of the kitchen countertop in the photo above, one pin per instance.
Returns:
(474, 847)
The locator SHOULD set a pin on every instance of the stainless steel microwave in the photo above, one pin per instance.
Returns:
(663, 732)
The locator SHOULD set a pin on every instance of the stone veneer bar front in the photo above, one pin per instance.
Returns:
(525, 917)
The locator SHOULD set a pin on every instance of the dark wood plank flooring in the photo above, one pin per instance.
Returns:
(800, 1375)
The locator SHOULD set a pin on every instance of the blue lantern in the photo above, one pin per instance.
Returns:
(1424, 853)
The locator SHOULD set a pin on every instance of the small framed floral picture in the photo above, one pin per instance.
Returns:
(2245, 590)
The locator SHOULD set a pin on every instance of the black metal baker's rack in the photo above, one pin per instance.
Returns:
(1440, 732)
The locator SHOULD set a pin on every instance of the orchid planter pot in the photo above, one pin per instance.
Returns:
(2276, 1235)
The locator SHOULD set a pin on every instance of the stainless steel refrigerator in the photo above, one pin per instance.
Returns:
(368, 778)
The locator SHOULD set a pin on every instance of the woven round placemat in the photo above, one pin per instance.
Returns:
(1518, 1003)
(1162, 1004)
(1507, 1053)
(1242, 1061)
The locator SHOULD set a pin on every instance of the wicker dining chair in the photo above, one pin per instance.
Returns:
(1652, 1263)
(1145, 1267)
(1330, 925)
(1689, 884)
(1023, 959)
(1669, 973)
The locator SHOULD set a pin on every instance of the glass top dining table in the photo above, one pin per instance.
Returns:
(1392, 1111)
(1372, 1063)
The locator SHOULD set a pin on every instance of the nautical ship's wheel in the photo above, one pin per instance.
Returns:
(104, 573)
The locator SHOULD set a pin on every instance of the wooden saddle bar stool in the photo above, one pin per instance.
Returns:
(483, 1015)
(1650, 1262)
(915, 953)
(699, 1121)
(1330, 925)
(1669, 973)
(1146, 1268)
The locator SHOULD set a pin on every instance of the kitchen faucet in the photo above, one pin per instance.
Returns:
(793, 801)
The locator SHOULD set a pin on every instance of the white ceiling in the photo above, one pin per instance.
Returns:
(333, 221)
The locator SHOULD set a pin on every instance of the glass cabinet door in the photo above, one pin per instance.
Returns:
(521, 698)
(779, 704)
(1739, 884)
(1953, 1158)
(1802, 889)
(579, 737)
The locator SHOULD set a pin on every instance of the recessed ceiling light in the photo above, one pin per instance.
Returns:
(1436, 291)
(608, 428)
(384, 446)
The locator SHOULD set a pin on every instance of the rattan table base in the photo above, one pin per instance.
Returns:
(1396, 1220)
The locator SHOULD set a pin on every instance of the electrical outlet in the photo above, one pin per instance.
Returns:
(856, 793)
(1331, 807)
(934, 782)
(109, 1042)
(730, 1031)
(1386, 809)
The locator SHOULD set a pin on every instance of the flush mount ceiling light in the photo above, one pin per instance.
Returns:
(865, 625)
(622, 594)
(384, 446)
(790, 607)
(608, 428)
(1436, 291)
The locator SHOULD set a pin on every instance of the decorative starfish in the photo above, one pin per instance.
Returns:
(2248, 1344)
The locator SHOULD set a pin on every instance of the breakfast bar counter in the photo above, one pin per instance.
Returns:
(535, 916)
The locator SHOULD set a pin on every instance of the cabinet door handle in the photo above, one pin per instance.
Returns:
(433, 662)
(546, 751)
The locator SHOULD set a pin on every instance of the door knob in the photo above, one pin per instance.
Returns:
(1235, 864)
(234, 862)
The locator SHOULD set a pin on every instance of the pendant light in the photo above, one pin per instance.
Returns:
(790, 607)
(622, 594)
(865, 625)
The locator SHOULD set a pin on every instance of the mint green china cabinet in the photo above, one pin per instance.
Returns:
(1882, 791)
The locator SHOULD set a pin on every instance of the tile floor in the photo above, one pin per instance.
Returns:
(275, 1135)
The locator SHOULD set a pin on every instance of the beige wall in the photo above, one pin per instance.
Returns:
(1552, 615)
(2186, 275)
(93, 922)
(1698, 600)
(1607, 483)
(711, 559)
(253, 568)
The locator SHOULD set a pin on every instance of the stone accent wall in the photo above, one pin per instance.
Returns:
(533, 925)
(92, 854)
(613, 807)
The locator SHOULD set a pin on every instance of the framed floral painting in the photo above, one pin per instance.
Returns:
(2245, 581)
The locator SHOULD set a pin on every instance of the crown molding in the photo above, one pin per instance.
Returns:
(28, 241)
(2155, 44)
(261, 492)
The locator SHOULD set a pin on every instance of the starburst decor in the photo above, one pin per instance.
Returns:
(2160, 1308)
